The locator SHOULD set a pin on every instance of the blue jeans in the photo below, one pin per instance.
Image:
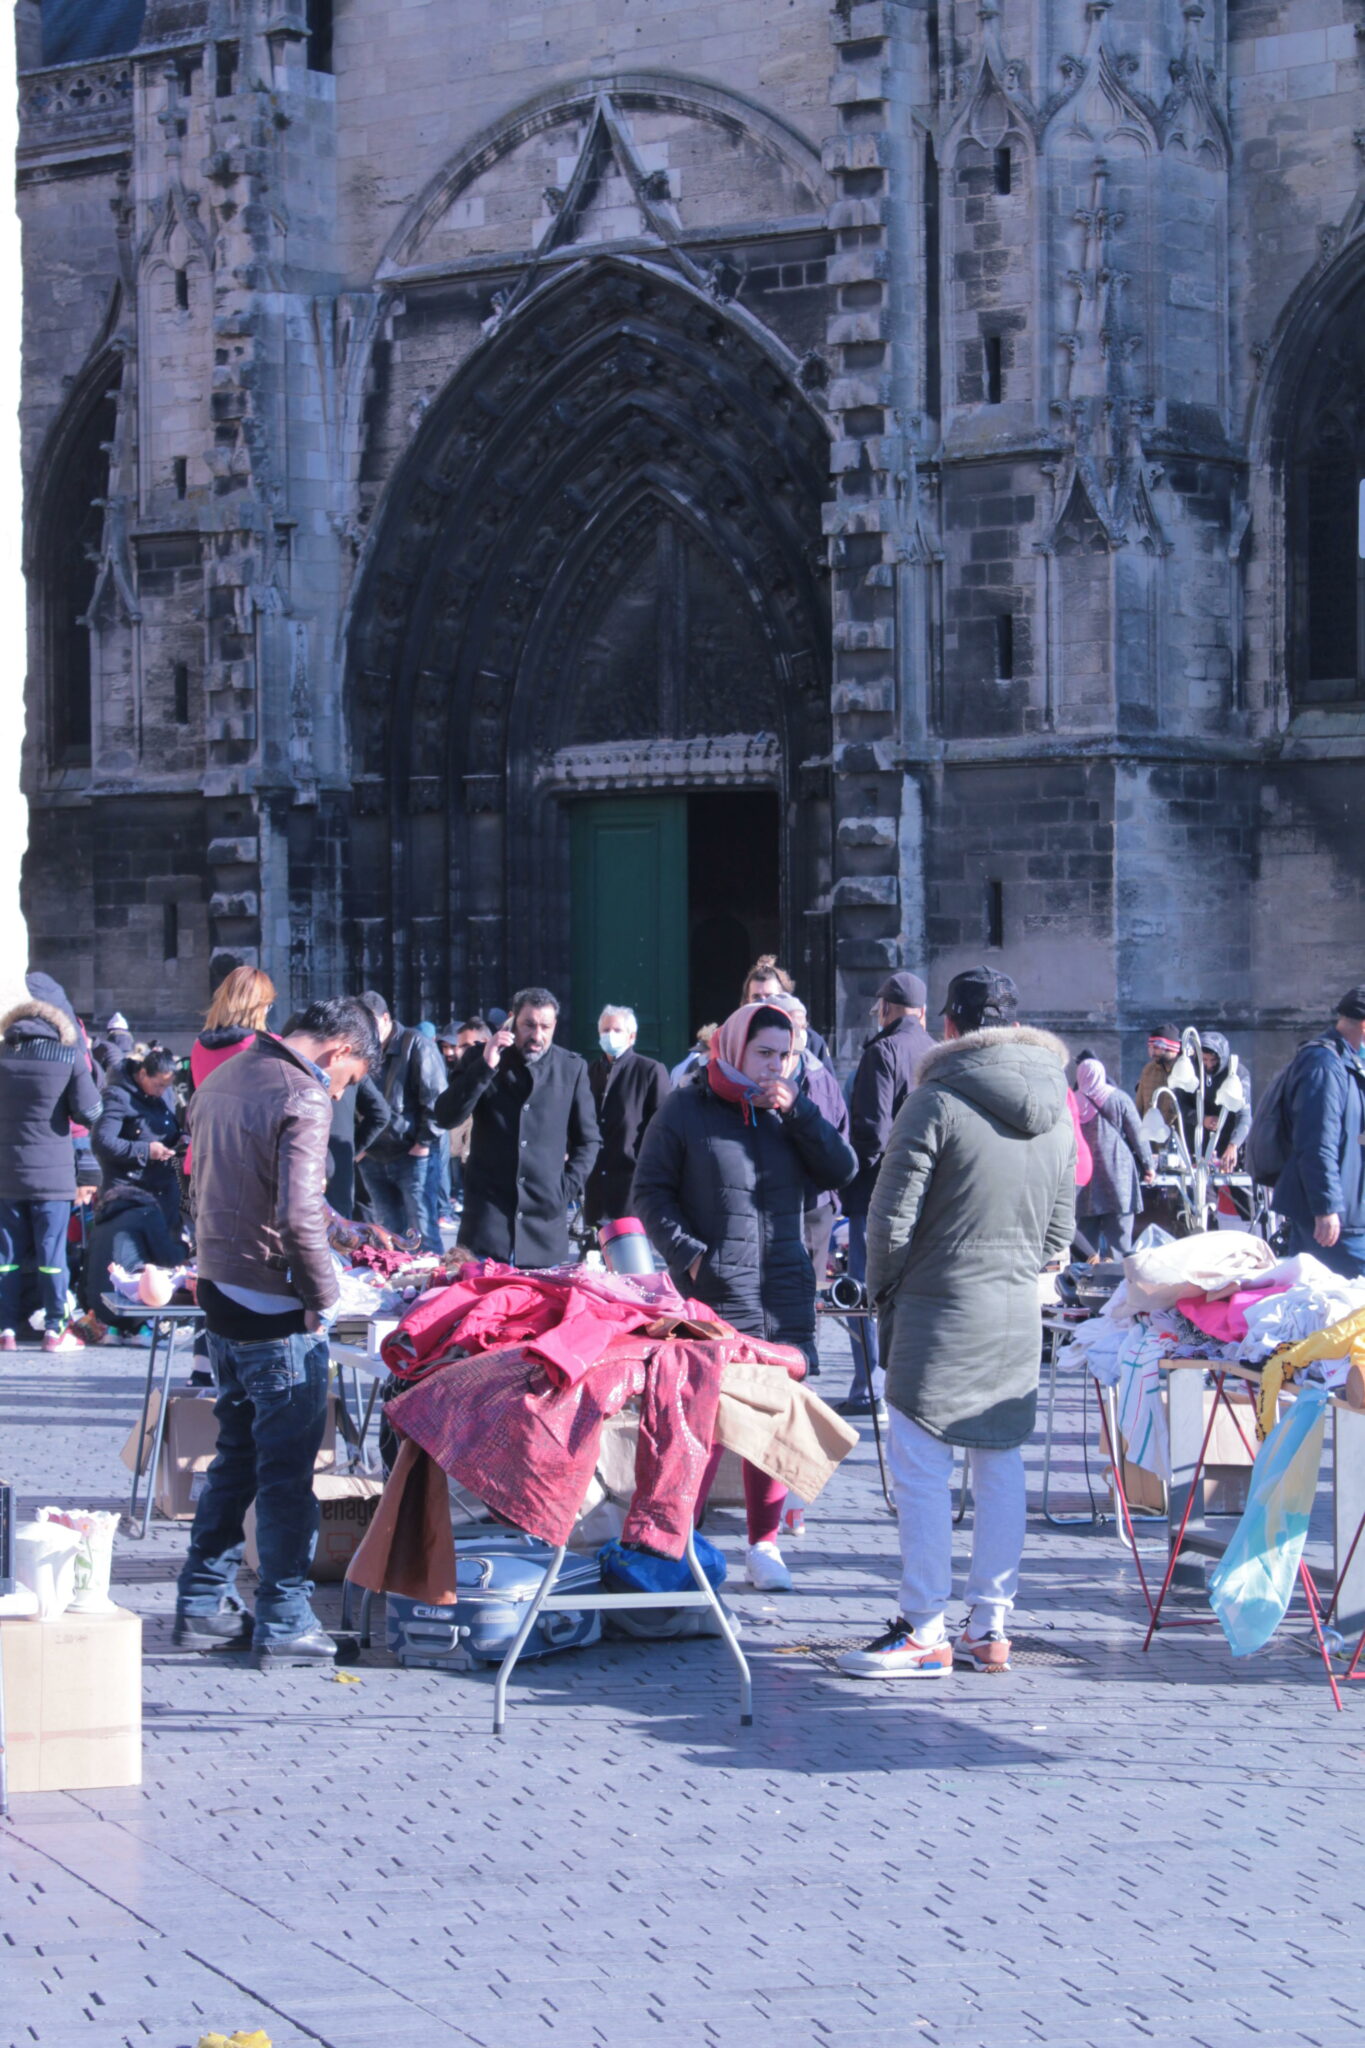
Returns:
(398, 1191)
(1346, 1256)
(435, 1189)
(35, 1230)
(271, 1410)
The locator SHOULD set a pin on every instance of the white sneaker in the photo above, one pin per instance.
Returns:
(765, 1570)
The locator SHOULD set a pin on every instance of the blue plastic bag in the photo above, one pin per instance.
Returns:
(1250, 1587)
(637, 1571)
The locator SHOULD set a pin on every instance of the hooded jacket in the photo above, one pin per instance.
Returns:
(1121, 1155)
(736, 1189)
(1233, 1125)
(45, 1084)
(975, 1196)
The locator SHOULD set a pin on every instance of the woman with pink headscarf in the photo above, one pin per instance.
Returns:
(1107, 1206)
(728, 1167)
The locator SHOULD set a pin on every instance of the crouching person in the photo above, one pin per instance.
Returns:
(261, 1124)
(976, 1195)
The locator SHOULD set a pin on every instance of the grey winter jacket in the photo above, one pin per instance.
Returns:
(975, 1196)
(1121, 1154)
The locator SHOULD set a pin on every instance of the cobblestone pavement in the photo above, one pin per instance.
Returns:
(1101, 1848)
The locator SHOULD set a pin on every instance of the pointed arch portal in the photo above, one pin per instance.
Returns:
(597, 577)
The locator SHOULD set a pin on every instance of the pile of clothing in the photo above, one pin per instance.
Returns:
(1219, 1295)
(513, 1376)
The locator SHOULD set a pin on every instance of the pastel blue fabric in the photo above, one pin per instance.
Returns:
(1251, 1585)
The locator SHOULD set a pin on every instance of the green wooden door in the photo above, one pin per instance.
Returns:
(629, 930)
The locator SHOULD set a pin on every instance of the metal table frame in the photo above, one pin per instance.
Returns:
(547, 1599)
(167, 1325)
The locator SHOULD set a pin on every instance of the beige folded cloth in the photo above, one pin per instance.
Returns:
(778, 1424)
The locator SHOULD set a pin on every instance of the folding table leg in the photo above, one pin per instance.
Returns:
(520, 1639)
(1310, 1594)
(1109, 1425)
(746, 1687)
(1191, 1484)
(165, 1334)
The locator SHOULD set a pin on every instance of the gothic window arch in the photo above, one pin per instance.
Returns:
(1326, 457)
(72, 531)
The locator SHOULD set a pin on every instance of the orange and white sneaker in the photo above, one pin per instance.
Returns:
(898, 1653)
(989, 1653)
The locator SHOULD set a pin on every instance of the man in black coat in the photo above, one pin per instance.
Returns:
(533, 1140)
(410, 1079)
(885, 1076)
(627, 1089)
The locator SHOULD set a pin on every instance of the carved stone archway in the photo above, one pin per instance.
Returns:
(623, 456)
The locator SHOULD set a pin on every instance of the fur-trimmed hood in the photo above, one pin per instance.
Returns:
(1014, 1073)
(36, 1020)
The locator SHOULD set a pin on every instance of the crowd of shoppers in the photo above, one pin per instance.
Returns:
(962, 1168)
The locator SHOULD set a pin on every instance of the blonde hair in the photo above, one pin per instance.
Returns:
(242, 1000)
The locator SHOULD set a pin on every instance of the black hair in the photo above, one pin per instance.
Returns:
(765, 1018)
(155, 1062)
(375, 1003)
(348, 1018)
(533, 999)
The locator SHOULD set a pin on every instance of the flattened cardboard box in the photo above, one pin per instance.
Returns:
(187, 1450)
(347, 1502)
(73, 1701)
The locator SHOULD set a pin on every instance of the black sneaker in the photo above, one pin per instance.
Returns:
(311, 1646)
(228, 1628)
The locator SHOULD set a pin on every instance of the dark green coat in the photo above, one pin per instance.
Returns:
(976, 1194)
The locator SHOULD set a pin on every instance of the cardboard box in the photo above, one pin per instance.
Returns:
(73, 1701)
(347, 1502)
(1227, 1470)
(188, 1446)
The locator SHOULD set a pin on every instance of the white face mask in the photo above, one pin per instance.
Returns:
(614, 1043)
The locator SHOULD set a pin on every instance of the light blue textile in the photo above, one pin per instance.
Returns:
(1250, 1587)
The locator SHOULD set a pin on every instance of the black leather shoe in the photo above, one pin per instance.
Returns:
(314, 1646)
(856, 1404)
(227, 1629)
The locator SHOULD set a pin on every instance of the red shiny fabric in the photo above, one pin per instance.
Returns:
(501, 1426)
(566, 1320)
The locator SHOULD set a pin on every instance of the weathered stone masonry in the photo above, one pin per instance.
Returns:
(975, 385)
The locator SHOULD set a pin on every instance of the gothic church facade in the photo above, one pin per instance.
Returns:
(579, 492)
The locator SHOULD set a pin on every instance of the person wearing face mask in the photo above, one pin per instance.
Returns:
(727, 1170)
(628, 1090)
(533, 1137)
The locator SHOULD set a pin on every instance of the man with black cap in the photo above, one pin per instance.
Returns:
(885, 1076)
(1321, 1189)
(976, 1195)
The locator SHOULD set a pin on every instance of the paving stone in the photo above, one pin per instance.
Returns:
(1123, 1848)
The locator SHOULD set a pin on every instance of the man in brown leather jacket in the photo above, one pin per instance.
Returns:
(261, 1124)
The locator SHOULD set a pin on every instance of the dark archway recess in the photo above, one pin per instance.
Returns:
(66, 556)
(600, 569)
(1328, 462)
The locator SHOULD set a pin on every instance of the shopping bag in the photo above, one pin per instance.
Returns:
(1250, 1586)
(95, 1558)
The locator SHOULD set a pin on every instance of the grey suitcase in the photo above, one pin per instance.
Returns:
(497, 1576)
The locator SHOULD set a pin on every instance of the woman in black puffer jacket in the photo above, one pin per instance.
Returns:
(139, 1129)
(727, 1169)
